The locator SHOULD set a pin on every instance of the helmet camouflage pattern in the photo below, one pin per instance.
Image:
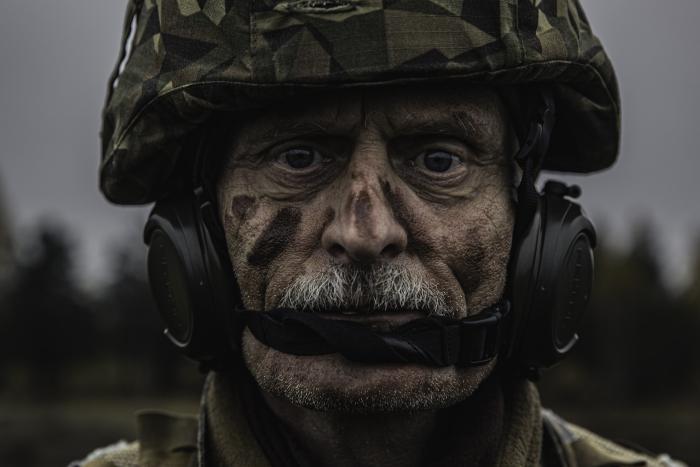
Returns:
(192, 58)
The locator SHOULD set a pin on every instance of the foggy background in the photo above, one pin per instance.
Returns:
(55, 58)
(80, 342)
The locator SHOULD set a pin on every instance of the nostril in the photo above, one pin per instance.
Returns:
(336, 250)
(390, 251)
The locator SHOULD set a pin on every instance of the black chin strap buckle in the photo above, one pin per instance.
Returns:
(481, 336)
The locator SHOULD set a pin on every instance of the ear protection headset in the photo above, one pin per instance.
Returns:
(551, 279)
(191, 277)
(550, 271)
(551, 265)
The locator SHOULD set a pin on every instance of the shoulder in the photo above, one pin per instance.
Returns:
(120, 454)
(164, 439)
(579, 447)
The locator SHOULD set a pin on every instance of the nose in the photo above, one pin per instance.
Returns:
(365, 230)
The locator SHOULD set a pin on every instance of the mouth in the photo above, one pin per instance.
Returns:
(383, 321)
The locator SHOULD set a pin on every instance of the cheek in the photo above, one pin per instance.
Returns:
(243, 217)
(239, 211)
(269, 244)
(464, 248)
(236, 209)
(481, 251)
(255, 243)
(468, 252)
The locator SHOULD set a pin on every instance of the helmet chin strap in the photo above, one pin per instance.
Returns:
(431, 341)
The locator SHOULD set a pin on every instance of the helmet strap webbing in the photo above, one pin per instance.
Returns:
(530, 157)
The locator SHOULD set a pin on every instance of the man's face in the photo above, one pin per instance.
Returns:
(378, 206)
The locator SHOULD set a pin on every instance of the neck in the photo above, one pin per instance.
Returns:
(467, 434)
(341, 439)
(498, 425)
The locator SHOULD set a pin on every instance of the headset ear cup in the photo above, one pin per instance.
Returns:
(179, 279)
(551, 280)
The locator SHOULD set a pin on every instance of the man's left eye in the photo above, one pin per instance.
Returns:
(437, 161)
(299, 158)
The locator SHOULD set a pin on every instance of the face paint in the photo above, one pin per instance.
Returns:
(277, 235)
(362, 207)
(241, 207)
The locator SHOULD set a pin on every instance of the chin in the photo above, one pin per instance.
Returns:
(333, 383)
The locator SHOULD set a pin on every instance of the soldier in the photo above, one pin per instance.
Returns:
(347, 232)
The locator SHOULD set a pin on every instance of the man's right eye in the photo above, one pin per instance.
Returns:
(299, 158)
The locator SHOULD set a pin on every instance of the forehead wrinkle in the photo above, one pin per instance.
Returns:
(475, 123)
(317, 120)
(292, 127)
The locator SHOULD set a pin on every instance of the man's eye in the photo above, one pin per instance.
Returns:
(437, 161)
(299, 158)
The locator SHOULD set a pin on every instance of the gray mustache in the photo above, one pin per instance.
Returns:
(382, 287)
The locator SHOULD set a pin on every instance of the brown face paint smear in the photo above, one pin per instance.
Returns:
(363, 211)
(277, 235)
(240, 205)
(403, 217)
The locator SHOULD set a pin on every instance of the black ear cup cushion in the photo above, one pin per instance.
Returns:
(178, 271)
(573, 289)
(168, 281)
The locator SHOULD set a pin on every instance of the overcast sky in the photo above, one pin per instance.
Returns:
(55, 57)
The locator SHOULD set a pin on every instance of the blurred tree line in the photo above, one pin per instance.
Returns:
(640, 339)
(58, 339)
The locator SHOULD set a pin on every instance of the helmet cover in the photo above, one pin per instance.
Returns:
(192, 58)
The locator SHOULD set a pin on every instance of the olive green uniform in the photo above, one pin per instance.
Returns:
(221, 436)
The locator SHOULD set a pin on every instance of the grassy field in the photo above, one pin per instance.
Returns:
(53, 434)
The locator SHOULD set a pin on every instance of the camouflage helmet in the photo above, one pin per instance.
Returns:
(192, 58)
